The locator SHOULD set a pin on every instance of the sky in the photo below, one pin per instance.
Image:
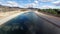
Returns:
(43, 4)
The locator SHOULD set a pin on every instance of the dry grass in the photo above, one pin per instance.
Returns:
(23, 10)
(6, 14)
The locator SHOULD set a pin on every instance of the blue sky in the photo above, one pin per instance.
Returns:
(32, 3)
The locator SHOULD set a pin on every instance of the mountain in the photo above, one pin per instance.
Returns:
(7, 8)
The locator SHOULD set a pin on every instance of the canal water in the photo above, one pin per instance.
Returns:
(28, 23)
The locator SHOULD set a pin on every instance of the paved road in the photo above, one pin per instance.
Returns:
(30, 23)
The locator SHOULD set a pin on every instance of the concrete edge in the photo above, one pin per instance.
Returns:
(49, 21)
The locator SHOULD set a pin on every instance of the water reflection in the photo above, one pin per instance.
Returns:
(27, 23)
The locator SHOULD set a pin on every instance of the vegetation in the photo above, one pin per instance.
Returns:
(23, 10)
(50, 11)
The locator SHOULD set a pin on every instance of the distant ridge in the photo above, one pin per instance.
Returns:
(7, 8)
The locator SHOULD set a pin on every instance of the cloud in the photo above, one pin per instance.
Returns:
(57, 3)
(0, 3)
(49, 6)
(46, 7)
(30, 3)
(34, 4)
(46, 0)
(10, 3)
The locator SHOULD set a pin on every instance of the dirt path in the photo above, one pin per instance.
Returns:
(6, 14)
(52, 19)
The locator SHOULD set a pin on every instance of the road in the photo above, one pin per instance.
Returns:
(53, 19)
(31, 23)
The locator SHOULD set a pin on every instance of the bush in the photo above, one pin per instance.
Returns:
(51, 11)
